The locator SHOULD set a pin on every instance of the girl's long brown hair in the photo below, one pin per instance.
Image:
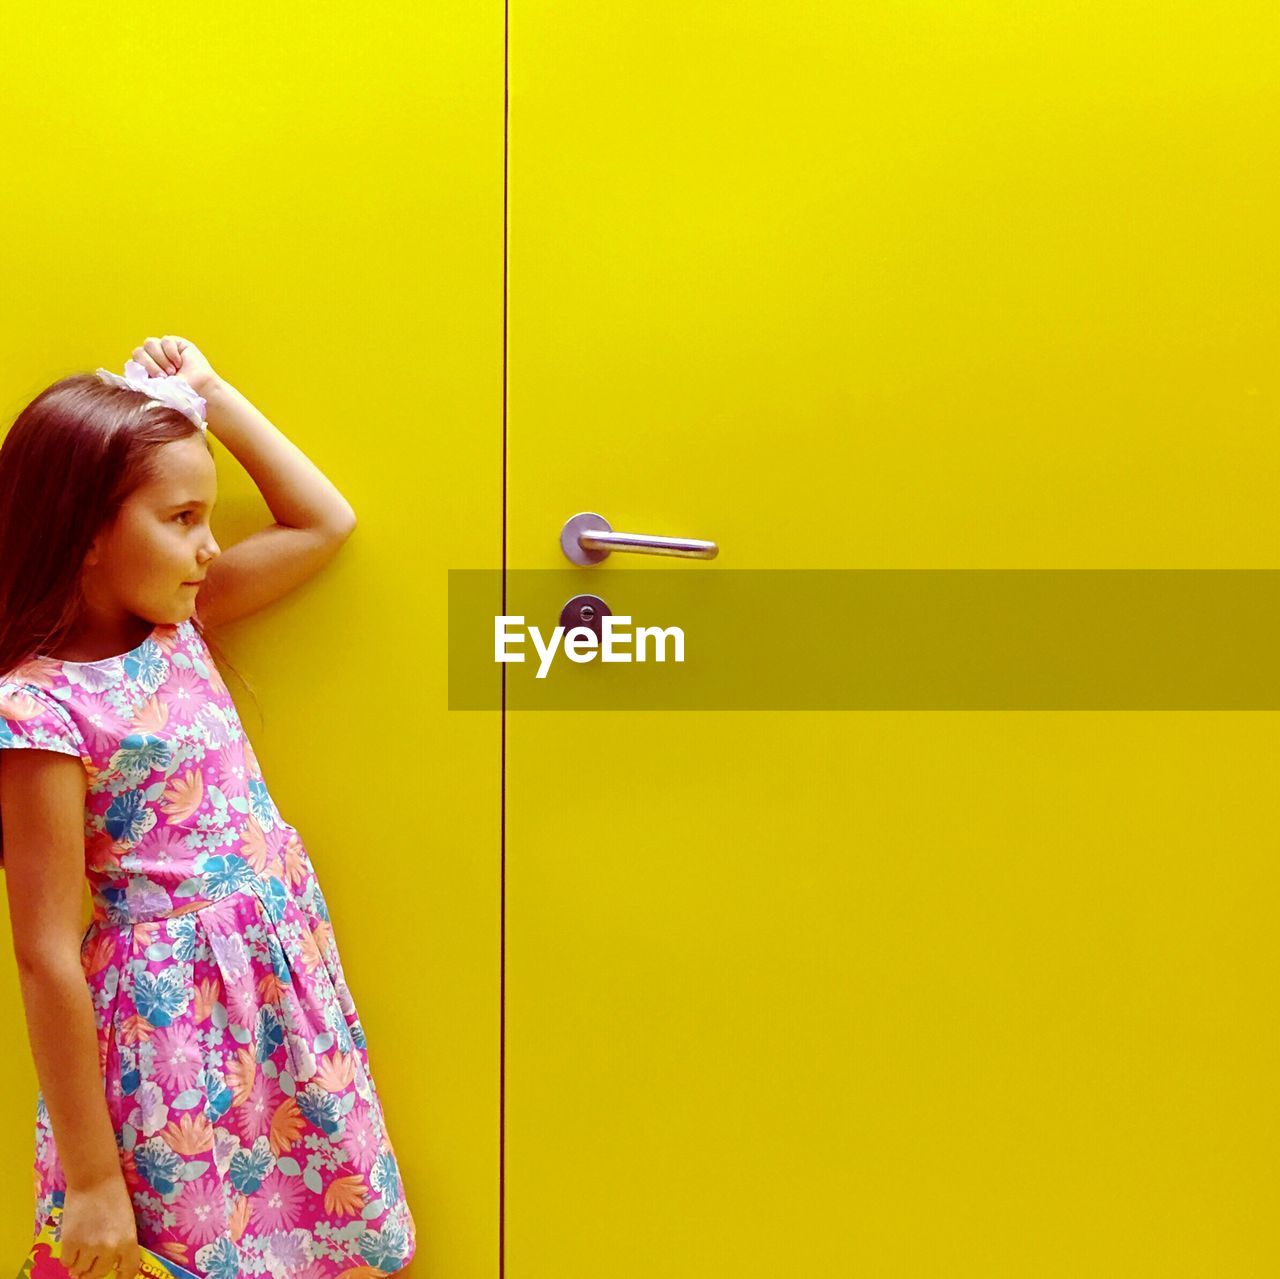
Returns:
(67, 464)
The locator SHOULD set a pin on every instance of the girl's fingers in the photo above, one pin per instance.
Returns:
(166, 360)
(156, 349)
(104, 1265)
(152, 357)
(153, 369)
(81, 1263)
(161, 356)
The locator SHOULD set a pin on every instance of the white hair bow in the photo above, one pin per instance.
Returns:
(173, 390)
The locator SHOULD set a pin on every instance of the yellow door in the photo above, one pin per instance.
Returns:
(915, 992)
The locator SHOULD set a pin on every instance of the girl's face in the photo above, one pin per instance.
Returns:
(159, 542)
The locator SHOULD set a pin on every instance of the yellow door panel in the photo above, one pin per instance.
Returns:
(907, 992)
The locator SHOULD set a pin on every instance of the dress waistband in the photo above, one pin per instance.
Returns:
(115, 907)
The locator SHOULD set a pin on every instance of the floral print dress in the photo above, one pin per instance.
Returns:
(249, 1129)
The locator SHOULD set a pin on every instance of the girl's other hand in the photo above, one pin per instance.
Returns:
(168, 355)
(100, 1232)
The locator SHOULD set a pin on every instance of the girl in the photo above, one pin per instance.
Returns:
(204, 1084)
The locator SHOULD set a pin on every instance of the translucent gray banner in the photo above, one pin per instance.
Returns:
(874, 639)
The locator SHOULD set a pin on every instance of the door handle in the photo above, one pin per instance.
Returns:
(587, 538)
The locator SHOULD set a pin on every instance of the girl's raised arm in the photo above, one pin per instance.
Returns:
(42, 798)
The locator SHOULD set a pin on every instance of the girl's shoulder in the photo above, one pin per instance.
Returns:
(32, 718)
(167, 689)
(173, 658)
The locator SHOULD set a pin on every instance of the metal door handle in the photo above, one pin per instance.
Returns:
(587, 538)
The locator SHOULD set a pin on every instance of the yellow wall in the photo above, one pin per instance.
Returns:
(312, 194)
(882, 285)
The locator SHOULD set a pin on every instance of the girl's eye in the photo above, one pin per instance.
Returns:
(184, 514)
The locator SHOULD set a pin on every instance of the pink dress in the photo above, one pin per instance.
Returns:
(249, 1129)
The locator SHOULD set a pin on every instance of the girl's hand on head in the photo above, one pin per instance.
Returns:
(168, 355)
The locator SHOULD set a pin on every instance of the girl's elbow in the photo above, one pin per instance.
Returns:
(49, 960)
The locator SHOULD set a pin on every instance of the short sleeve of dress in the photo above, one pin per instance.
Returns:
(31, 719)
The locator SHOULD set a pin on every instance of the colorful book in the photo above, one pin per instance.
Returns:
(43, 1260)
